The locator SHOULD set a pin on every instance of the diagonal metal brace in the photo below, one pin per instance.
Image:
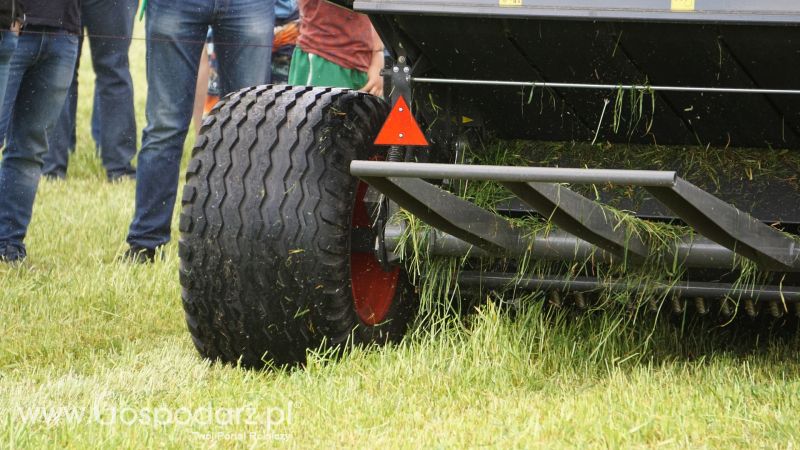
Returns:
(581, 217)
(729, 226)
(450, 213)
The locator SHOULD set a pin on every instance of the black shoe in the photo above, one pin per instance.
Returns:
(139, 255)
(10, 253)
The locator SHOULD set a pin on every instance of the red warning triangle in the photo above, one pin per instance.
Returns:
(400, 127)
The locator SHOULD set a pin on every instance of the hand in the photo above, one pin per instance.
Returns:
(374, 84)
(16, 26)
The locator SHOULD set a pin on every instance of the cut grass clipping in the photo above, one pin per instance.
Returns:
(643, 287)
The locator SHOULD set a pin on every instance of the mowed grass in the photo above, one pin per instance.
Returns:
(97, 347)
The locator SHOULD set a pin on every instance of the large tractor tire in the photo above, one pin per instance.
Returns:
(268, 214)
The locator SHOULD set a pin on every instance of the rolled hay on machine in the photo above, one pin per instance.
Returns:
(639, 151)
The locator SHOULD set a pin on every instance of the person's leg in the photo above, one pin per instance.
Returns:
(45, 71)
(16, 67)
(175, 34)
(8, 43)
(96, 114)
(109, 24)
(243, 42)
(61, 138)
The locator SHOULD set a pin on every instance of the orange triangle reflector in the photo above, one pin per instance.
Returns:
(400, 127)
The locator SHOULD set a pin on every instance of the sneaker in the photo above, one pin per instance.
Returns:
(139, 255)
(11, 253)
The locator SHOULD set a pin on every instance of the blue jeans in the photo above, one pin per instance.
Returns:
(176, 31)
(109, 24)
(39, 76)
(8, 43)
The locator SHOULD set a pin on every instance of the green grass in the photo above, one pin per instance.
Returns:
(81, 331)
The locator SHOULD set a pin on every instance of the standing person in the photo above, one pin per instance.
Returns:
(176, 31)
(109, 24)
(39, 75)
(11, 17)
(337, 48)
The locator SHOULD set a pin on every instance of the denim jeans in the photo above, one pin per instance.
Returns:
(109, 24)
(176, 31)
(8, 43)
(39, 75)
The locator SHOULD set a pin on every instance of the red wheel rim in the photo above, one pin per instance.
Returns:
(373, 288)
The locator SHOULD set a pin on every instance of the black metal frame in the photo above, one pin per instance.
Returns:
(733, 11)
(723, 224)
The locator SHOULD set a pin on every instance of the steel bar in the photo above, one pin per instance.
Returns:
(586, 219)
(613, 87)
(450, 213)
(694, 252)
(651, 11)
(730, 227)
(373, 169)
(585, 284)
(715, 219)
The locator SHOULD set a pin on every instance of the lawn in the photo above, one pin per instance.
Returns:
(94, 353)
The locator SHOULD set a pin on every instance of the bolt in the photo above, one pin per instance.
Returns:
(400, 109)
(395, 69)
(406, 69)
(401, 60)
(400, 135)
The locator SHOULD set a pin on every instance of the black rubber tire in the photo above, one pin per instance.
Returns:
(265, 226)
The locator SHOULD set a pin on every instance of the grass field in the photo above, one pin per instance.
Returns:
(94, 353)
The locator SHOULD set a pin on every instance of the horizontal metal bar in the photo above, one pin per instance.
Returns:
(656, 178)
(789, 294)
(697, 252)
(611, 87)
(651, 11)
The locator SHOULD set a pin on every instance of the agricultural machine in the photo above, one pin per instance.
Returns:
(678, 123)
